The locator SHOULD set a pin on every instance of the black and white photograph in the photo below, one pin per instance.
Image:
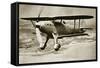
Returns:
(49, 33)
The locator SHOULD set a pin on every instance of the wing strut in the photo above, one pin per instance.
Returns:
(33, 24)
(79, 23)
(74, 23)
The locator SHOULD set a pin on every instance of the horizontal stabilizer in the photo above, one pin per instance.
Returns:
(72, 35)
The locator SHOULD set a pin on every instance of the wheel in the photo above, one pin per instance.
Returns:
(58, 47)
(42, 48)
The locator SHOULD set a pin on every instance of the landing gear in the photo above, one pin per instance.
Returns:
(57, 47)
(42, 47)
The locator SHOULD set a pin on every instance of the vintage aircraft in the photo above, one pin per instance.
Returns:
(57, 29)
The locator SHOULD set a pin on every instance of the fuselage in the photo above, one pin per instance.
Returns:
(63, 28)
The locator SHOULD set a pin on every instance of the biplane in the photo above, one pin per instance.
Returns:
(57, 29)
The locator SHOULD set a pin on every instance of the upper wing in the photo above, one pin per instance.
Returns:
(74, 17)
(59, 18)
(39, 19)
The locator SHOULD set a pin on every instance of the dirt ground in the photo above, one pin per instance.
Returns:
(72, 49)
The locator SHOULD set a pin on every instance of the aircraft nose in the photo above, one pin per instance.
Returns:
(37, 25)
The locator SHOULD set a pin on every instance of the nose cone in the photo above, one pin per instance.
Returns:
(37, 25)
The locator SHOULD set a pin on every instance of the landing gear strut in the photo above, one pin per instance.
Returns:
(45, 44)
(57, 45)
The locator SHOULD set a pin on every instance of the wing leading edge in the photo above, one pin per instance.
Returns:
(59, 17)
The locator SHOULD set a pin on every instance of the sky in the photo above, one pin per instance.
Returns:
(52, 11)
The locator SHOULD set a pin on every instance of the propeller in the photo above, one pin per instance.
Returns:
(38, 32)
(39, 15)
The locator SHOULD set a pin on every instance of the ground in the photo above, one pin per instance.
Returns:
(72, 49)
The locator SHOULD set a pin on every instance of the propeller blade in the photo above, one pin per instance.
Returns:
(33, 23)
(39, 37)
(39, 14)
(38, 32)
